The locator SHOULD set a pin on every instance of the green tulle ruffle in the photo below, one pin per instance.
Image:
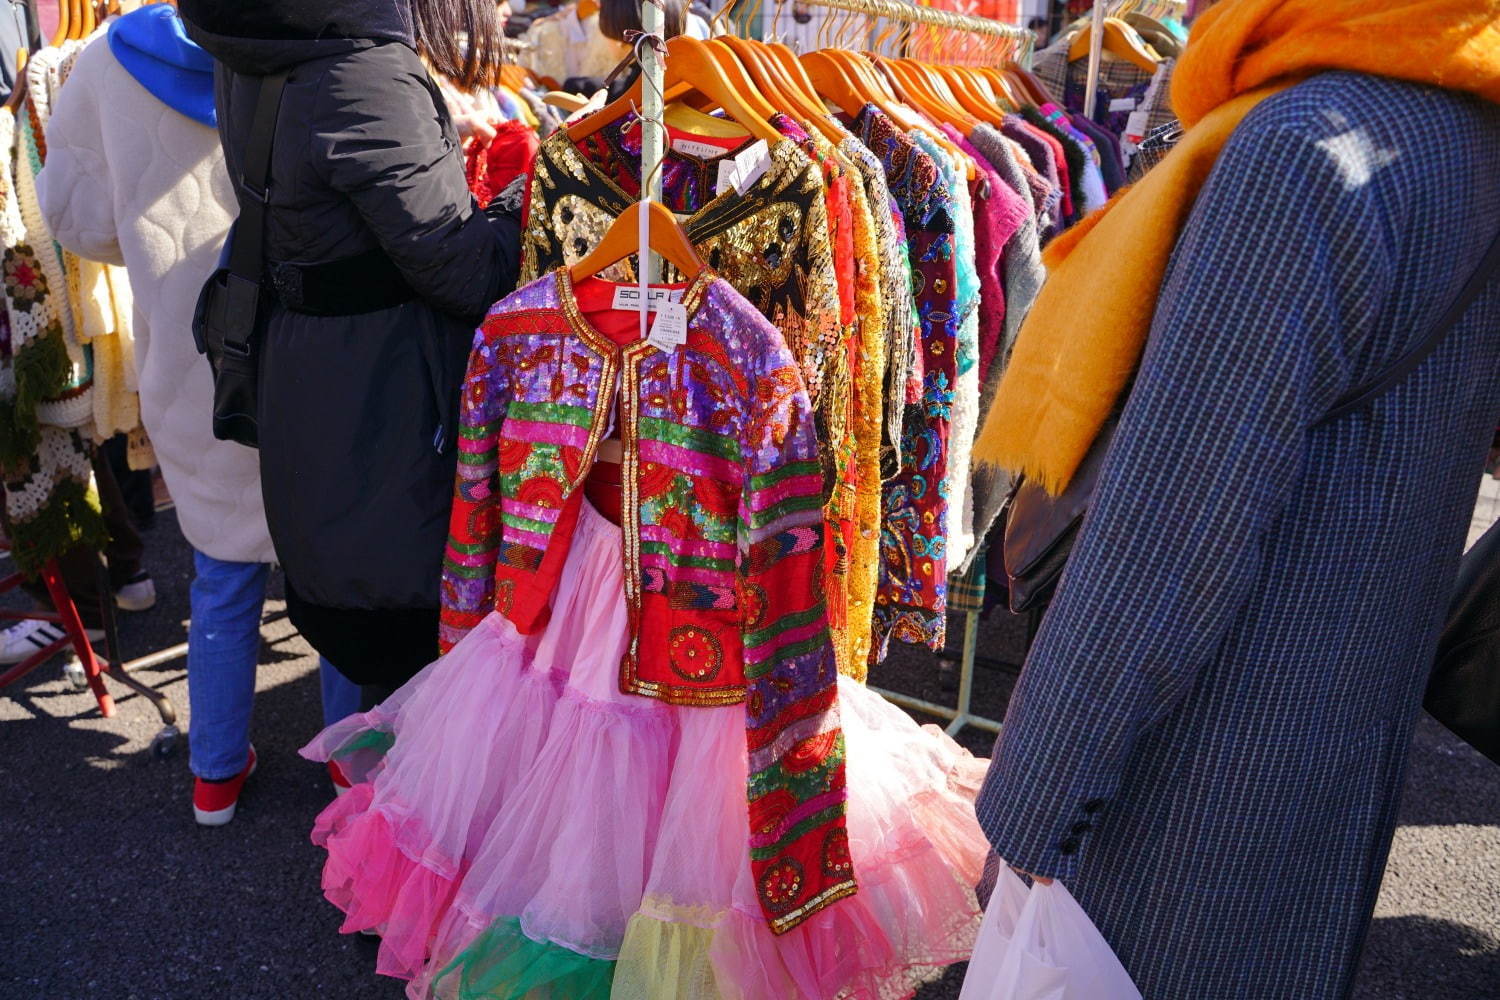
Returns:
(504, 964)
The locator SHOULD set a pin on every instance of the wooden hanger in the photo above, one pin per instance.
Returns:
(831, 83)
(973, 93)
(688, 61)
(799, 101)
(586, 8)
(1157, 34)
(18, 92)
(1031, 88)
(666, 238)
(64, 22)
(516, 76)
(1121, 41)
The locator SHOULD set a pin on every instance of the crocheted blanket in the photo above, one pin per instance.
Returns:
(45, 395)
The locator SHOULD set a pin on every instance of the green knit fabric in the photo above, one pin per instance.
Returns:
(41, 370)
(504, 964)
(70, 517)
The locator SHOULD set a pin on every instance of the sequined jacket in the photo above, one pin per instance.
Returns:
(722, 538)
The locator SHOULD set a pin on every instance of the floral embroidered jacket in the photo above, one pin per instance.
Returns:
(722, 538)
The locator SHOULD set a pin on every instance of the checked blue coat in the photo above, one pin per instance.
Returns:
(1209, 738)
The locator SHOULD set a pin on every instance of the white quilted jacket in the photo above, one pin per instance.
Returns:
(130, 181)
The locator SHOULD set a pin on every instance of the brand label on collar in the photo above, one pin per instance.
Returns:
(629, 297)
(702, 150)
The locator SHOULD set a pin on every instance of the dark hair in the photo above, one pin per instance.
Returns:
(617, 17)
(461, 39)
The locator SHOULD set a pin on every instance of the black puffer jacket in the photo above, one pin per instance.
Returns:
(365, 156)
(358, 411)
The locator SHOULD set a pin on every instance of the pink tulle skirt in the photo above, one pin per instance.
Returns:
(518, 827)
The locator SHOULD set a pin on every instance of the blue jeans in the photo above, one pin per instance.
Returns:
(223, 651)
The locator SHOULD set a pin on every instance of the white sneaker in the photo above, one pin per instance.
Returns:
(29, 637)
(137, 595)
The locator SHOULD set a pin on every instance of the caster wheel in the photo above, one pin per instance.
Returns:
(947, 675)
(164, 743)
(74, 675)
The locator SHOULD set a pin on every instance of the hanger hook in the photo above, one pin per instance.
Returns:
(658, 45)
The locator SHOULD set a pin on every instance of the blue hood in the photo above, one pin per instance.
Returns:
(153, 47)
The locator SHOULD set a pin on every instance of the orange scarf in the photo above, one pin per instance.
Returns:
(1084, 336)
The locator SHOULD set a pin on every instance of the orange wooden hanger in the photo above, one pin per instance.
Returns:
(18, 92)
(832, 83)
(666, 238)
(973, 93)
(912, 85)
(586, 8)
(1120, 40)
(742, 79)
(1031, 88)
(688, 61)
(64, 22)
(793, 97)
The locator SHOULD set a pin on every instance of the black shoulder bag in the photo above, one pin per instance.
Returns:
(1463, 692)
(1040, 529)
(228, 317)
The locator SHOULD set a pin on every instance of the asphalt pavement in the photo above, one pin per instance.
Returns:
(108, 889)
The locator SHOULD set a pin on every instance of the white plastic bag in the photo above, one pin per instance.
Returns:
(1038, 944)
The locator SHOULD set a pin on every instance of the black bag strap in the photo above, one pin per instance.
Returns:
(1477, 283)
(246, 258)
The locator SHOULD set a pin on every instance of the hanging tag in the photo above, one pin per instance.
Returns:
(751, 165)
(1136, 125)
(669, 332)
(729, 173)
(1122, 104)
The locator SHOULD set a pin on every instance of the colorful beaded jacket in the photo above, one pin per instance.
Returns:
(722, 537)
(912, 598)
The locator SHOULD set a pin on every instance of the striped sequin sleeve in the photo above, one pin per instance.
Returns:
(474, 525)
(799, 845)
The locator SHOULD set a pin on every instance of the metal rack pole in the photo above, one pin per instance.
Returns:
(653, 141)
(1096, 56)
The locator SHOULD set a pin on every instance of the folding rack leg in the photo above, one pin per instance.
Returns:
(165, 740)
(68, 614)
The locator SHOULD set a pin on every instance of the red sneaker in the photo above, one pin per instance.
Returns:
(214, 802)
(339, 779)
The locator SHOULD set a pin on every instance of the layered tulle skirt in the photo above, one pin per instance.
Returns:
(518, 827)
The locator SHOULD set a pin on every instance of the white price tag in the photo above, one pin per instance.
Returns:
(1122, 104)
(751, 165)
(629, 297)
(702, 150)
(728, 175)
(1135, 127)
(670, 329)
